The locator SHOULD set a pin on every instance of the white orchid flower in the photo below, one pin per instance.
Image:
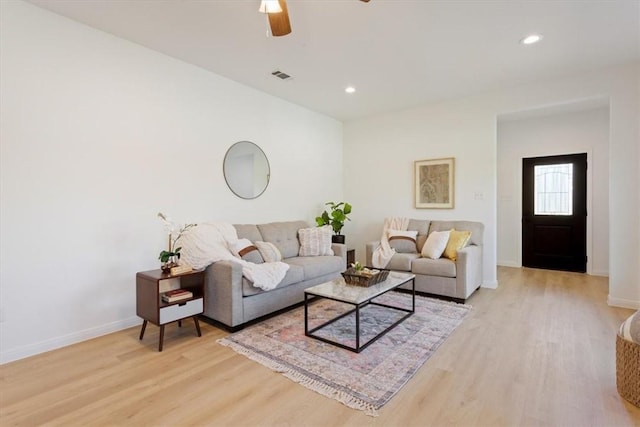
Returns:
(173, 229)
(170, 226)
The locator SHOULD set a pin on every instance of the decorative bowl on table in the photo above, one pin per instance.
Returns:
(365, 277)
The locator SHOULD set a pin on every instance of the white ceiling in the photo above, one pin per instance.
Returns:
(397, 53)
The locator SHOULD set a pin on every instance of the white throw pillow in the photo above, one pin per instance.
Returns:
(269, 251)
(315, 241)
(435, 244)
(630, 329)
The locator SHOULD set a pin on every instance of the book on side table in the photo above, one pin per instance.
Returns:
(176, 295)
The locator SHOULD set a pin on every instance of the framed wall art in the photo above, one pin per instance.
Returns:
(434, 183)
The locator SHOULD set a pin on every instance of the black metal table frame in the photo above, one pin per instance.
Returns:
(358, 348)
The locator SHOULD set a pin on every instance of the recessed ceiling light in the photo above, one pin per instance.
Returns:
(350, 89)
(531, 39)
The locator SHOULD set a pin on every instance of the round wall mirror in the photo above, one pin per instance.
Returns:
(246, 170)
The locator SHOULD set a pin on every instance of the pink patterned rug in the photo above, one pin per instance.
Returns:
(364, 381)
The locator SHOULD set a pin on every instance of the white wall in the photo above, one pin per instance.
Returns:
(380, 150)
(98, 135)
(568, 133)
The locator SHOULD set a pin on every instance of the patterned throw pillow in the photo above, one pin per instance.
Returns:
(315, 241)
(457, 241)
(630, 329)
(243, 248)
(402, 241)
(269, 251)
(435, 244)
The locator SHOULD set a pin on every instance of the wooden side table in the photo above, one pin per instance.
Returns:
(150, 285)
(351, 257)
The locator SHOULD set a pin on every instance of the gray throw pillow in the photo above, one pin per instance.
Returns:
(403, 241)
(243, 248)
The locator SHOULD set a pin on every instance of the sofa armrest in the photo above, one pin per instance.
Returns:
(370, 247)
(223, 293)
(340, 249)
(468, 270)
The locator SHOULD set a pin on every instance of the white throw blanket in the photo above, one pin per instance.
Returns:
(384, 252)
(209, 242)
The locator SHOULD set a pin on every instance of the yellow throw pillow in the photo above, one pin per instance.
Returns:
(457, 241)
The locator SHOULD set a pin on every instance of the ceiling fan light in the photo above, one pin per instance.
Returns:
(270, 6)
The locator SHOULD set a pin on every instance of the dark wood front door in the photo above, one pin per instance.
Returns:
(554, 212)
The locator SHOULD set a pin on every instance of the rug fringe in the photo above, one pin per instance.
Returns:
(310, 383)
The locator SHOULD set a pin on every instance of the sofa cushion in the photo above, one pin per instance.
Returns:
(419, 225)
(457, 241)
(420, 241)
(403, 241)
(316, 266)
(422, 227)
(315, 241)
(435, 244)
(248, 231)
(476, 229)
(402, 262)
(442, 267)
(284, 235)
(294, 275)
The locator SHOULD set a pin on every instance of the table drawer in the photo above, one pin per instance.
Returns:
(180, 311)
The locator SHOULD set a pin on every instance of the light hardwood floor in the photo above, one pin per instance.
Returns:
(539, 350)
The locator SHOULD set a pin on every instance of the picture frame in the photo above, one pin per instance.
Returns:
(434, 182)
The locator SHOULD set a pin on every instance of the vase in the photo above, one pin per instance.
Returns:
(337, 238)
(167, 266)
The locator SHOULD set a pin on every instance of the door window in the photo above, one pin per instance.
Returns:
(553, 189)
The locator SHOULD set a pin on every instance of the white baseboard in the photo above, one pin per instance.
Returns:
(624, 303)
(509, 264)
(76, 337)
(603, 273)
(493, 284)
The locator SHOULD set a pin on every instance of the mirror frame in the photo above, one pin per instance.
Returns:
(257, 150)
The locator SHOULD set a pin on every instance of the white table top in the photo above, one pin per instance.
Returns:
(337, 289)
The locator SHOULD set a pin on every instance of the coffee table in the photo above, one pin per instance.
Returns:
(359, 297)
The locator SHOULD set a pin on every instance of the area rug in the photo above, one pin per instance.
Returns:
(364, 381)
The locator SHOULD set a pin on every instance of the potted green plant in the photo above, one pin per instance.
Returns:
(336, 217)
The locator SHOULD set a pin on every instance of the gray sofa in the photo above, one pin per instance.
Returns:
(455, 280)
(232, 300)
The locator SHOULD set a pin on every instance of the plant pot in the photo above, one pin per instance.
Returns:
(167, 266)
(338, 238)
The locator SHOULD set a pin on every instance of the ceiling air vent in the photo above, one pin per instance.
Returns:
(281, 75)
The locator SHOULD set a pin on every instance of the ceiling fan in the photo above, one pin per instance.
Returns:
(278, 15)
